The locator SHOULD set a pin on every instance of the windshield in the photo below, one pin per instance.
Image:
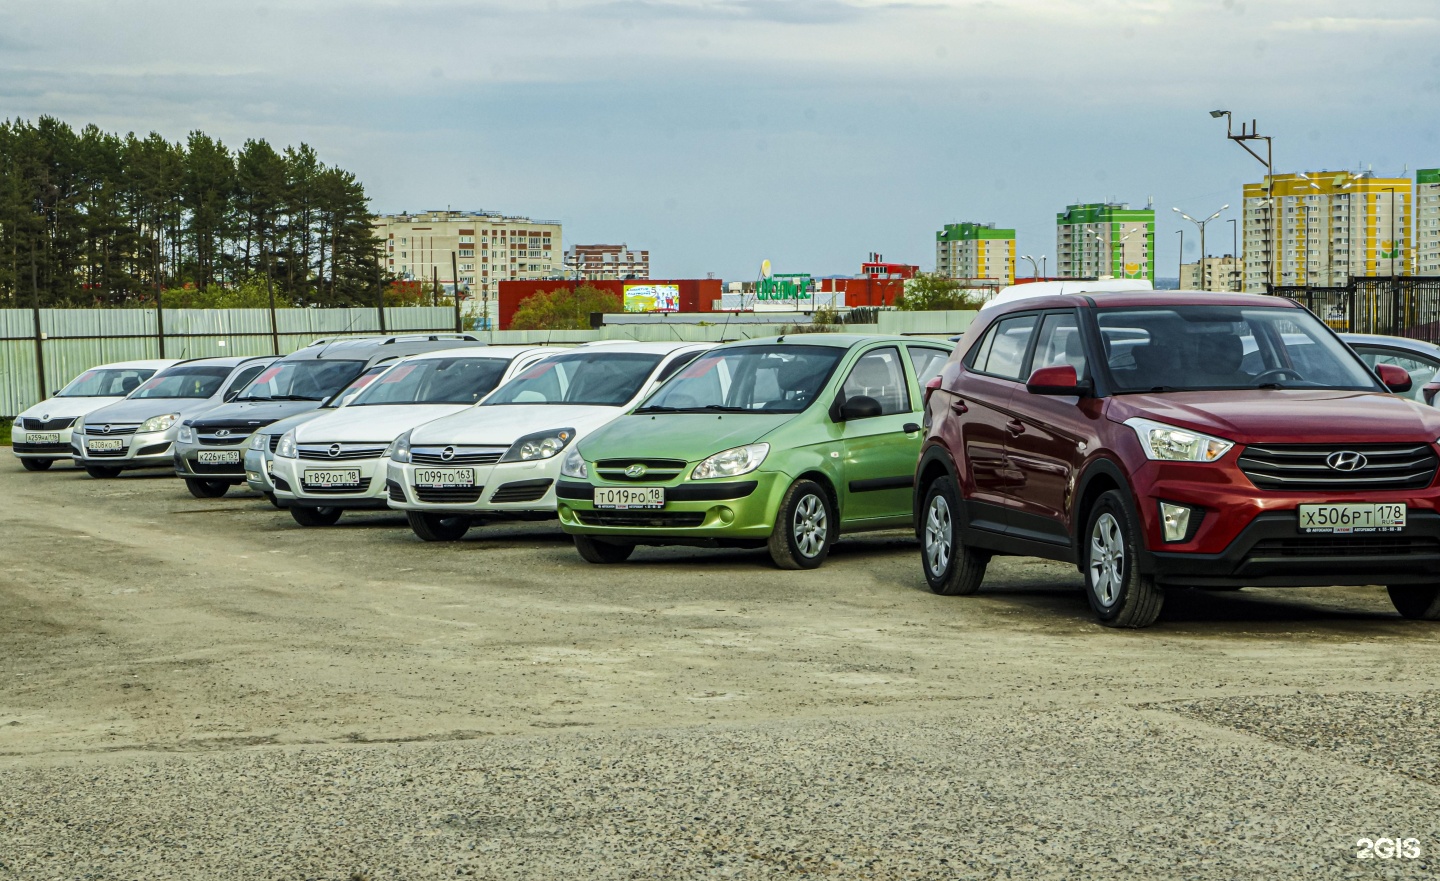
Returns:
(184, 382)
(771, 379)
(1189, 348)
(306, 380)
(435, 381)
(106, 382)
(598, 378)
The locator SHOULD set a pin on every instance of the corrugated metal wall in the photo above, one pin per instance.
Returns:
(75, 340)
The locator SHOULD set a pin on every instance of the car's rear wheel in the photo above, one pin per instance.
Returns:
(952, 568)
(206, 489)
(599, 551)
(316, 516)
(438, 527)
(37, 464)
(102, 472)
(805, 528)
(1119, 594)
(1420, 602)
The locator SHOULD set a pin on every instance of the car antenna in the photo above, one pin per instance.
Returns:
(780, 339)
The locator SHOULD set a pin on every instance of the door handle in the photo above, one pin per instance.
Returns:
(909, 428)
(1015, 426)
(958, 406)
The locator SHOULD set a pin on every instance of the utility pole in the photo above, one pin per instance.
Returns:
(379, 297)
(1180, 267)
(1252, 134)
(1204, 282)
(455, 273)
(35, 311)
(270, 290)
(159, 303)
(435, 282)
(1234, 257)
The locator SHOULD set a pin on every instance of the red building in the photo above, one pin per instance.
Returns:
(876, 267)
(691, 294)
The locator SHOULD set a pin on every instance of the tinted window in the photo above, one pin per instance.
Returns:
(243, 378)
(307, 380)
(184, 382)
(105, 383)
(595, 377)
(927, 362)
(774, 378)
(1004, 352)
(880, 375)
(435, 381)
(1059, 344)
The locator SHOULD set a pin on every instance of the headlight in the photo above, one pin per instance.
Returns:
(158, 423)
(541, 445)
(574, 465)
(286, 450)
(1170, 444)
(258, 441)
(399, 449)
(187, 434)
(732, 462)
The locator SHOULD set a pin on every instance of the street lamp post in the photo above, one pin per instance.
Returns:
(1180, 264)
(1234, 257)
(1394, 245)
(1201, 225)
(1252, 134)
(1034, 268)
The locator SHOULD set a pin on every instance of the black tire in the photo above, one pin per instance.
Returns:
(37, 464)
(315, 516)
(805, 528)
(102, 472)
(952, 568)
(206, 489)
(270, 497)
(438, 527)
(1109, 548)
(1419, 602)
(600, 551)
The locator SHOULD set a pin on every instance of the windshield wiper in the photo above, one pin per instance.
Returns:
(721, 408)
(294, 398)
(658, 408)
(252, 398)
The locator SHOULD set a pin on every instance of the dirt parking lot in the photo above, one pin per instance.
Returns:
(203, 689)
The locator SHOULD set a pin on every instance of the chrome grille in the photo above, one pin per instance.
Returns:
(656, 470)
(462, 456)
(114, 430)
(343, 452)
(1303, 466)
(211, 440)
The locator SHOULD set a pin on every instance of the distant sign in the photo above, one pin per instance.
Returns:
(652, 298)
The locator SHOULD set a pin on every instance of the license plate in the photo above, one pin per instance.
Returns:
(33, 438)
(629, 497)
(440, 478)
(102, 444)
(218, 457)
(334, 479)
(1353, 518)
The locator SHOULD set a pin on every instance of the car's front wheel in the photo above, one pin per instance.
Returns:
(597, 551)
(805, 528)
(438, 527)
(37, 464)
(1119, 594)
(315, 516)
(102, 472)
(952, 568)
(206, 489)
(1420, 602)
(275, 502)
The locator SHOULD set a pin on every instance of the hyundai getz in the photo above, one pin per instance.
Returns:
(1176, 439)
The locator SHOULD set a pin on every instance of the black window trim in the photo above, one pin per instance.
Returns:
(903, 357)
(1038, 315)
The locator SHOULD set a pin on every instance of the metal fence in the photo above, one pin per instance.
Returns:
(74, 340)
(1407, 306)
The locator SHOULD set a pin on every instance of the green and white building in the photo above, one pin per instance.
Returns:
(1427, 221)
(975, 251)
(1105, 239)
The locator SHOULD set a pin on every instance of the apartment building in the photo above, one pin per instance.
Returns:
(1321, 228)
(1213, 274)
(1105, 240)
(1427, 221)
(975, 251)
(607, 262)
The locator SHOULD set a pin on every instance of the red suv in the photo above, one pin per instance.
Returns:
(1166, 439)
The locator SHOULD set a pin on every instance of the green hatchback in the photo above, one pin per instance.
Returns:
(784, 442)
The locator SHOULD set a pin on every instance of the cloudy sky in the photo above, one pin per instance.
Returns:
(718, 133)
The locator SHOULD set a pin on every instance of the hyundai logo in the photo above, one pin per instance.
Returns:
(447, 454)
(1345, 460)
(224, 432)
(636, 470)
(334, 450)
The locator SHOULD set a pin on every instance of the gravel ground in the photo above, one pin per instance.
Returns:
(204, 689)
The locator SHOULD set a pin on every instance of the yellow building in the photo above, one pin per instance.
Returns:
(1320, 228)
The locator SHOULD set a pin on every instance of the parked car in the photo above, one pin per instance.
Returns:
(41, 434)
(210, 450)
(333, 462)
(501, 458)
(1416, 357)
(1132, 435)
(783, 443)
(138, 432)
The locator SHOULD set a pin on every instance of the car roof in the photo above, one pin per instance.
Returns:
(1105, 299)
(632, 346)
(840, 340)
(1396, 342)
(506, 352)
(225, 361)
(377, 348)
(154, 363)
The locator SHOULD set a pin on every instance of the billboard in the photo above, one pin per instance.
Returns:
(652, 298)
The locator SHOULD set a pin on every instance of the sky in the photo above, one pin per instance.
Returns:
(719, 133)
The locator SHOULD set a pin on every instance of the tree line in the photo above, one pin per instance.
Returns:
(100, 219)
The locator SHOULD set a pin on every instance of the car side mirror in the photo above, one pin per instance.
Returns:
(1395, 377)
(932, 386)
(858, 407)
(1061, 380)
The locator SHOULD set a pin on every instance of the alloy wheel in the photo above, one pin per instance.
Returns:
(1107, 559)
(938, 535)
(811, 526)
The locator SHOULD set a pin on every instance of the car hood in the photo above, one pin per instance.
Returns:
(1286, 415)
(66, 408)
(140, 409)
(259, 411)
(688, 436)
(380, 423)
(502, 425)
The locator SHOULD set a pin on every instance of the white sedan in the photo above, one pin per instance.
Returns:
(502, 457)
(333, 462)
(41, 434)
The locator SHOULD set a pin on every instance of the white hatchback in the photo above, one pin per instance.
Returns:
(334, 461)
(502, 458)
(41, 434)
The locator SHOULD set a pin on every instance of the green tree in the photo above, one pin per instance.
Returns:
(566, 308)
(928, 292)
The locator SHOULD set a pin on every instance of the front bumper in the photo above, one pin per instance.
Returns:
(288, 478)
(187, 463)
(518, 487)
(695, 512)
(26, 449)
(258, 464)
(148, 450)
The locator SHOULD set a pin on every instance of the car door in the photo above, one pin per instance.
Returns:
(1421, 369)
(877, 454)
(1048, 435)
